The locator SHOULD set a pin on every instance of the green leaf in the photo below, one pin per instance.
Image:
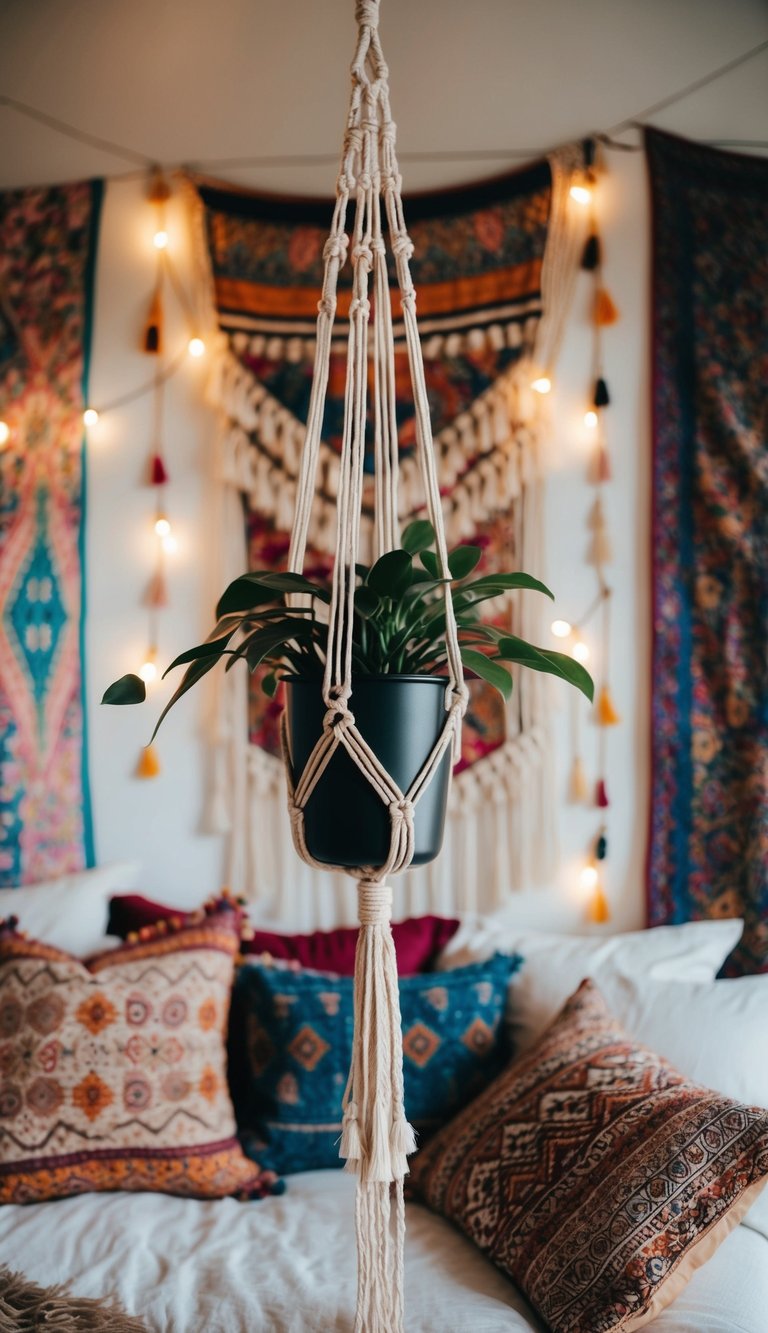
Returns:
(290, 582)
(269, 685)
(418, 536)
(128, 689)
(429, 561)
(367, 602)
(463, 559)
(491, 585)
(391, 574)
(243, 594)
(211, 648)
(512, 649)
(487, 670)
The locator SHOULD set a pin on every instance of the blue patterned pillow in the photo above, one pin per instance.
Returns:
(292, 1042)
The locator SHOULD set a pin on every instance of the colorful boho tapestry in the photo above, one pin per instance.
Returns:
(477, 267)
(708, 852)
(47, 253)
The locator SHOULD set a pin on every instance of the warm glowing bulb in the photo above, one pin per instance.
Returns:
(588, 878)
(160, 240)
(590, 420)
(542, 385)
(5, 433)
(196, 347)
(162, 526)
(580, 651)
(560, 628)
(90, 416)
(170, 543)
(148, 670)
(581, 194)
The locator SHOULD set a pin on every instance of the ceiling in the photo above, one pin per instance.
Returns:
(195, 82)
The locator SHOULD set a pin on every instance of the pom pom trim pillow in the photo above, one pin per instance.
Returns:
(418, 940)
(296, 1027)
(113, 1071)
(595, 1175)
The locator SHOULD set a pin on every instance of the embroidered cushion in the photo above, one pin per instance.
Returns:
(296, 1026)
(594, 1174)
(113, 1071)
(418, 940)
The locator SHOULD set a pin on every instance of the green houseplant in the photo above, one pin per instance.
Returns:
(398, 648)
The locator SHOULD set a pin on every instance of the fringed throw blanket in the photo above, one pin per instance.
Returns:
(709, 818)
(479, 257)
(47, 252)
(25, 1307)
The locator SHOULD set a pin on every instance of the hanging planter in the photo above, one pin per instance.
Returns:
(374, 659)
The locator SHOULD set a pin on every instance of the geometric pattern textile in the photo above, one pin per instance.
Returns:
(47, 259)
(291, 1048)
(113, 1071)
(595, 1175)
(708, 853)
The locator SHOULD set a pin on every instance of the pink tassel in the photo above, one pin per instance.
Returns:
(157, 471)
(603, 464)
(157, 592)
(601, 795)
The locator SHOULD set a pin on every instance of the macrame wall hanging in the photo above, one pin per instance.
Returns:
(495, 266)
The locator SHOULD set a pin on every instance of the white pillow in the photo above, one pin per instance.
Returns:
(70, 913)
(554, 965)
(715, 1033)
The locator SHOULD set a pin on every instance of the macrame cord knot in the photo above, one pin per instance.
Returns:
(374, 902)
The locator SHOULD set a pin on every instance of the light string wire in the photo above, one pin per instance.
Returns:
(607, 136)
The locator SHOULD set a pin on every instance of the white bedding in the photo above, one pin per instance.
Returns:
(287, 1265)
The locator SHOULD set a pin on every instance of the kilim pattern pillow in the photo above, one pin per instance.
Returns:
(113, 1071)
(296, 1030)
(594, 1174)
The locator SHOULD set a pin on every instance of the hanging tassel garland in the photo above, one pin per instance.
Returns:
(158, 473)
(578, 789)
(602, 397)
(601, 795)
(590, 260)
(149, 763)
(605, 311)
(607, 716)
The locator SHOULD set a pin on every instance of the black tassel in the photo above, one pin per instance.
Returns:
(590, 260)
(601, 848)
(589, 152)
(602, 397)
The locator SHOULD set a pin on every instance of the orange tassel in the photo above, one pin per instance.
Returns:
(607, 716)
(599, 911)
(157, 592)
(149, 763)
(605, 311)
(578, 789)
(153, 329)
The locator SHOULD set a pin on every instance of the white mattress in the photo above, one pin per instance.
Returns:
(287, 1265)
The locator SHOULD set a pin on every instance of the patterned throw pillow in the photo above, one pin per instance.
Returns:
(113, 1071)
(296, 1029)
(418, 941)
(594, 1174)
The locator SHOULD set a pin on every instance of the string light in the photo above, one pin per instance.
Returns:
(5, 433)
(170, 544)
(581, 194)
(560, 628)
(148, 670)
(590, 420)
(196, 347)
(160, 240)
(542, 385)
(90, 416)
(580, 651)
(162, 527)
(588, 878)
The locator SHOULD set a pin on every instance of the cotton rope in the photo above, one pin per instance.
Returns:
(376, 1137)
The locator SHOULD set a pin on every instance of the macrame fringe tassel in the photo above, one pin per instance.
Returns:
(376, 1137)
(606, 311)
(578, 789)
(149, 763)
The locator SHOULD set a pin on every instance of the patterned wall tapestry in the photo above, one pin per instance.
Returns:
(478, 272)
(709, 819)
(47, 252)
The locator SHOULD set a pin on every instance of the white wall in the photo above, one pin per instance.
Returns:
(158, 821)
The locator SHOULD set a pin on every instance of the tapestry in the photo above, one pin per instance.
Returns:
(47, 256)
(478, 271)
(708, 852)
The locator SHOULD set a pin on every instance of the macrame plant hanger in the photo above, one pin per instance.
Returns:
(376, 1136)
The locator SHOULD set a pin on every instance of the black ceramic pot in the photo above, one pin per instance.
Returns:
(401, 717)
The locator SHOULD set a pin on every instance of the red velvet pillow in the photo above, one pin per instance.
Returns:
(417, 940)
